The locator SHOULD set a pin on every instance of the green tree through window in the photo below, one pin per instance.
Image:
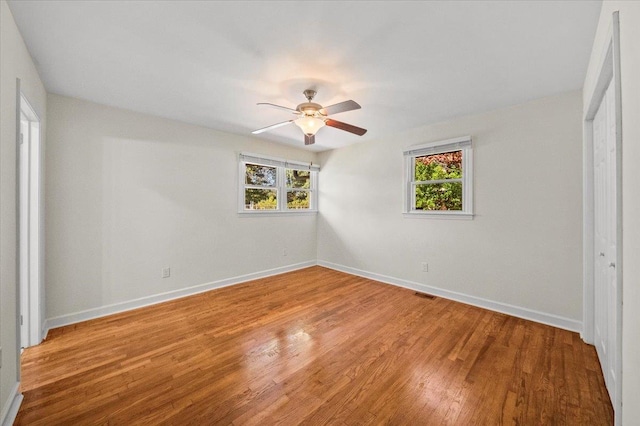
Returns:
(276, 185)
(298, 184)
(438, 195)
(261, 198)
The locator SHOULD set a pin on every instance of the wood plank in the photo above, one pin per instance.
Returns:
(313, 346)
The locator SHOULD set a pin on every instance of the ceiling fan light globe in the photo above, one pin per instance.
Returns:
(309, 124)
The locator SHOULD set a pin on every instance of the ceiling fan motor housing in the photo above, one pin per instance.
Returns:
(310, 108)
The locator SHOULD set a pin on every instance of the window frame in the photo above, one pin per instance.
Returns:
(463, 144)
(280, 187)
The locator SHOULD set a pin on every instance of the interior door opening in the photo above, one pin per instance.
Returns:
(29, 220)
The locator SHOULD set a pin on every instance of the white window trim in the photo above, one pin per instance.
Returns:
(462, 143)
(280, 187)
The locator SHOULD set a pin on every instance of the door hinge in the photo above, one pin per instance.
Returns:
(21, 138)
(21, 320)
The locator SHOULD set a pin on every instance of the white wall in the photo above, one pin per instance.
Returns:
(128, 194)
(523, 248)
(630, 83)
(15, 62)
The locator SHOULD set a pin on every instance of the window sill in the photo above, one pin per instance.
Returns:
(256, 213)
(439, 215)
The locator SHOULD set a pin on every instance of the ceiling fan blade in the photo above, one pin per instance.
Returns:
(309, 139)
(273, 126)
(295, 111)
(340, 107)
(344, 126)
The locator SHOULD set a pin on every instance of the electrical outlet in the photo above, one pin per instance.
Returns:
(425, 267)
(166, 272)
(284, 251)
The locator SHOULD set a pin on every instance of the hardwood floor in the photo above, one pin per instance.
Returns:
(313, 346)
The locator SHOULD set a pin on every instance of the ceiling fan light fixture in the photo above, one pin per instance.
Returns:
(309, 124)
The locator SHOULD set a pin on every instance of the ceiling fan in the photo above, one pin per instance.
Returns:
(312, 116)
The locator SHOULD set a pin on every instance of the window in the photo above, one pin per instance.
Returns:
(439, 178)
(298, 189)
(274, 185)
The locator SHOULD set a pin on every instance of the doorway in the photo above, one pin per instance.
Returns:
(29, 226)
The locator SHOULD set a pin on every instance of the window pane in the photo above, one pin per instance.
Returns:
(298, 178)
(439, 196)
(447, 165)
(260, 175)
(298, 200)
(260, 199)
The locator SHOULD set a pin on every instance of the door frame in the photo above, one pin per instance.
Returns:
(34, 217)
(608, 71)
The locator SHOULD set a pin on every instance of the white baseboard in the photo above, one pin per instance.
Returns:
(11, 408)
(45, 331)
(516, 311)
(115, 308)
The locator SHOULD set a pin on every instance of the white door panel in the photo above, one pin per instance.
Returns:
(605, 241)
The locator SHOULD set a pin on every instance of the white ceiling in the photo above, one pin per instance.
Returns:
(407, 63)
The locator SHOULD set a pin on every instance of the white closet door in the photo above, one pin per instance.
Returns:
(605, 222)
